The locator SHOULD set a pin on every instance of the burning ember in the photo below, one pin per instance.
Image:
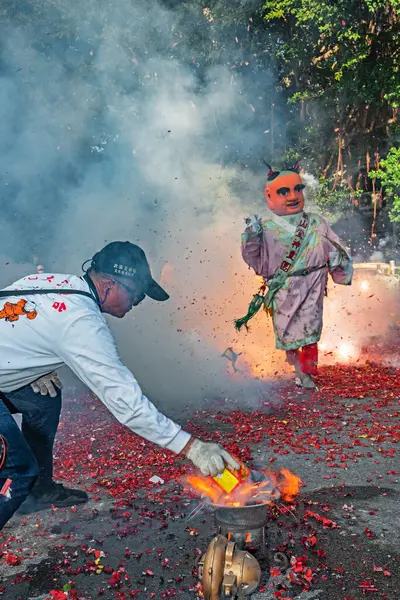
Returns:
(344, 352)
(347, 351)
(364, 285)
(272, 487)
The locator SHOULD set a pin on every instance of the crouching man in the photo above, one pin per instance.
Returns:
(50, 320)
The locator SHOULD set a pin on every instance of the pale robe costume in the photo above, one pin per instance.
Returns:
(297, 306)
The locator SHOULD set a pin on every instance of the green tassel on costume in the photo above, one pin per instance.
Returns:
(254, 307)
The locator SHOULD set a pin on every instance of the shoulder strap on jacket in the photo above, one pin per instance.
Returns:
(8, 293)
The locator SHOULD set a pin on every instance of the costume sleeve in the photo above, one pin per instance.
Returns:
(341, 269)
(255, 252)
(88, 348)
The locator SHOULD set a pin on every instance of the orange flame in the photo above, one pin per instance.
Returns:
(283, 485)
(289, 485)
(205, 486)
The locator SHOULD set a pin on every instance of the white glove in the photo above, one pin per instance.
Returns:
(336, 259)
(45, 386)
(210, 458)
(254, 224)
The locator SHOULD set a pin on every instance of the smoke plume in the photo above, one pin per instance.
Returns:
(111, 129)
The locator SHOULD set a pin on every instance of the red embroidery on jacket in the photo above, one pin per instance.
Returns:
(60, 306)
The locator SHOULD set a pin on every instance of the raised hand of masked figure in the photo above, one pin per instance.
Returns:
(253, 224)
(47, 385)
(209, 458)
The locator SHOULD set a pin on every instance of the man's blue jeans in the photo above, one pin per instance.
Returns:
(30, 451)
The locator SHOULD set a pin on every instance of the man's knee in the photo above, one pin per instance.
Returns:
(19, 465)
(22, 479)
(21, 484)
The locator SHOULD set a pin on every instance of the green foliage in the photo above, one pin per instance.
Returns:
(351, 43)
(341, 59)
(389, 176)
(334, 196)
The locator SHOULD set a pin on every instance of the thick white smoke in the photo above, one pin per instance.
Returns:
(133, 144)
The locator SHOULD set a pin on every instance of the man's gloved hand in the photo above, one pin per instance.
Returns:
(209, 458)
(45, 386)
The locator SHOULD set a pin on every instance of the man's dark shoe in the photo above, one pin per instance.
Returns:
(58, 496)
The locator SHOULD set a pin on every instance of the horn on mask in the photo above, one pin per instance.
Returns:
(271, 173)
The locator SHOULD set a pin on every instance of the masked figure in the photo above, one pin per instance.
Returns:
(294, 252)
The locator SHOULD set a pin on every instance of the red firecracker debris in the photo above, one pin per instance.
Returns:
(96, 453)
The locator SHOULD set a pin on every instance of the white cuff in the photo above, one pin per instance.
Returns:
(179, 442)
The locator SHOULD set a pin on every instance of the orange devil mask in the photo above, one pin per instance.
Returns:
(284, 192)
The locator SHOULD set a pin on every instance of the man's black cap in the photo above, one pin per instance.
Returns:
(125, 259)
